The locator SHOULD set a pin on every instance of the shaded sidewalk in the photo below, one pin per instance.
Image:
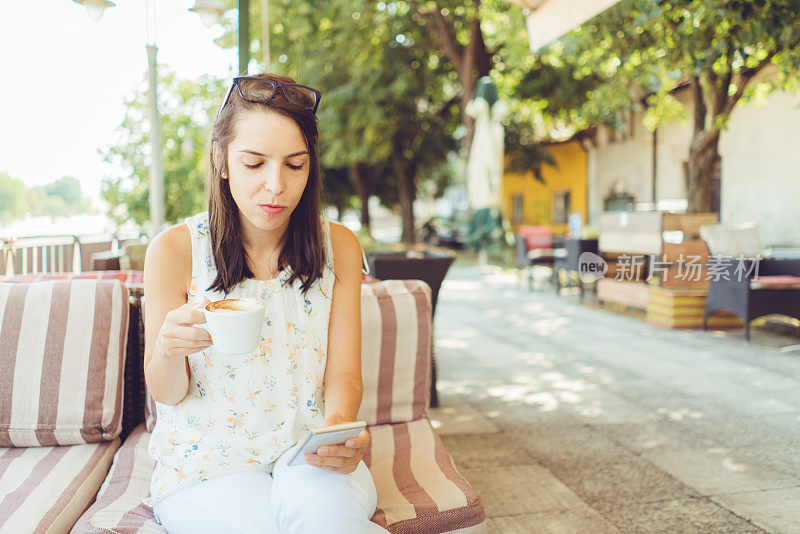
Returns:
(570, 418)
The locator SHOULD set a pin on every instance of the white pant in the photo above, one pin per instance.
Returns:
(296, 500)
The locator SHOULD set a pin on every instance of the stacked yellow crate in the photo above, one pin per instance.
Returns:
(683, 308)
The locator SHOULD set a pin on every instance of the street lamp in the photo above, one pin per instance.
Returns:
(95, 7)
(209, 11)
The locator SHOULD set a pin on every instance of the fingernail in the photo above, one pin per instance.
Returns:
(322, 452)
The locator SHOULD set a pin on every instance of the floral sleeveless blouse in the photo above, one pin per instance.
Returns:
(243, 411)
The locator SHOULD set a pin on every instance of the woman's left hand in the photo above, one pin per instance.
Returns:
(341, 458)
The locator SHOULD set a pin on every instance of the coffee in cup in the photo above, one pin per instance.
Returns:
(235, 324)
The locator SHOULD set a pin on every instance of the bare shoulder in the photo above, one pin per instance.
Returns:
(169, 258)
(346, 249)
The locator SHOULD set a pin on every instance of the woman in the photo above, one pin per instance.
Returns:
(226, 424)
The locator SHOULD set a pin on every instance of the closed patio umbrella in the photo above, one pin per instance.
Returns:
(485, 166)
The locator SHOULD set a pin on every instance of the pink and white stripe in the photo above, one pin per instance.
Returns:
(62, 354)
(119, 507)
(395, 350)
(46, 489)
(419, 488)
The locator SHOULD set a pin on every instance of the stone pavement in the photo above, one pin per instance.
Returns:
(568, 418)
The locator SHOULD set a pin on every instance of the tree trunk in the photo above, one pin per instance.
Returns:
(339, 203)
(470, 61)
(703, 161)
(357, 179)
(405, 178)
(703, 154)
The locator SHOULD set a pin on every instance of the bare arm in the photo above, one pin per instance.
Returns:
(343, 386)
(168, 336)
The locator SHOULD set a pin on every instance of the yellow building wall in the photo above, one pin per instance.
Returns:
(538, 197)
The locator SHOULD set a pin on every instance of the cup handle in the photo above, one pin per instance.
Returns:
(204, 326)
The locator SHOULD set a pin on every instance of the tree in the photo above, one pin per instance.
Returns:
(186, 108)
(70, 191)
(646, 48)
(337, 190)
(61, 198)
(42, 204)
(13, 198)
(456, 27)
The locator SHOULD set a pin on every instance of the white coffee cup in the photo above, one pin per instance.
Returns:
(235, 324)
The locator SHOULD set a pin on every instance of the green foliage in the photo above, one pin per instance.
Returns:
(524, 151)
(61, 198)
(186, 108)
(69, 190)
(13, 201)
(646, 48)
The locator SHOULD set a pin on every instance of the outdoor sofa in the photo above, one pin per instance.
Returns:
(75, 418)
(744, 283)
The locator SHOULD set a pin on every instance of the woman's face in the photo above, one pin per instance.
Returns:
(268, 165)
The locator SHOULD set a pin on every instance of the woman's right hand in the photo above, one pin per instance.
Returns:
(177, 338)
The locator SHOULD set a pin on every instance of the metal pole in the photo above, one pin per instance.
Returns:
(265, 33)
(156, 176)
(244, 36)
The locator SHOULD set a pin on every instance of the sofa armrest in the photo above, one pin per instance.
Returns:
(396, 339)
(776, 267)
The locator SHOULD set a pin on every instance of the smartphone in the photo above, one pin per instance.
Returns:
(326, 435)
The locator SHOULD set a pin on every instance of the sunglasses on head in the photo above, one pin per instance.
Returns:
(261, 91)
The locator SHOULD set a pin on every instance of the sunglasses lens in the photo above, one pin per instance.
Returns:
(262, 91)
(257, 90)
(300, 96)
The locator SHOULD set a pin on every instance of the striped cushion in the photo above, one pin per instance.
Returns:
(432, 497)
(395, 350)
(62, 354)
(419, 489)
(118, 507)
(46, 489)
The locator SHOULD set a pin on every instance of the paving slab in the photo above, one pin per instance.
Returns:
(514, 490)
(719, 470)
(779, 457)
(604, 483)
(456, 415)
(744, 431)
(565, 522)
(498, 449)
(555, 443)
(656, 436)
(774, 510)
(677, 407)
(684, 516)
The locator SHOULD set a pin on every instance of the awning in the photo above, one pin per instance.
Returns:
(550, 19)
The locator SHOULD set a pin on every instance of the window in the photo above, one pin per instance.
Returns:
(561, 207)
(516, 209)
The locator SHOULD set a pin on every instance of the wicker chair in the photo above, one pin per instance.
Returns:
(751, 287)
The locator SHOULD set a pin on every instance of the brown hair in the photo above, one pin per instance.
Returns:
(301, 246)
